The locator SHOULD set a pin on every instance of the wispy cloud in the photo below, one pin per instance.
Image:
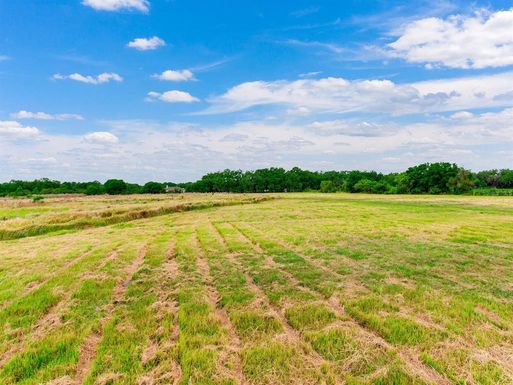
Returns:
(22, 114)
(311, 26)
(392, 20)
(4, 57)
(310, 74)
(315, 44)
(99, 79)
(305, 11)
(82, 59)
(213, 65)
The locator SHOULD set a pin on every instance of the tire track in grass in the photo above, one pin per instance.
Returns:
(292, 335)
(203, 337)
(89, 346)
(288, 247)
(410, 359)
(213, 296)
(167, 303)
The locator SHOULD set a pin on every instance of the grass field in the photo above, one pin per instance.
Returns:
(241, 289)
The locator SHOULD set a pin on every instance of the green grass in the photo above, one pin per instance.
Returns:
(306, 289)
(309, 316)
(249, 324)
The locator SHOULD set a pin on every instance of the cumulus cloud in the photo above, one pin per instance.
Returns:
(101, 137)
(17, 130)
(338, 95)
(173, 96)
(105, 77)
(22, 114)
(479, 41)
(146, 44)
(175, 75)
(118, 5)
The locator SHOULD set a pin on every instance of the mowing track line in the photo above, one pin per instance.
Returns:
(410, 359)
(213, 297)
(89, 347)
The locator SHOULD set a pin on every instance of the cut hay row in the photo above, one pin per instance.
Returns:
(84, 220)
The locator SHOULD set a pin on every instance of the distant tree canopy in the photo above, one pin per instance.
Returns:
(433, 178)
(153, 188)
(426, 178)
(115, 186)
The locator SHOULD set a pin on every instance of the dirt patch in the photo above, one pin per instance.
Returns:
(149, 354)
(86, 356)
(66, 380)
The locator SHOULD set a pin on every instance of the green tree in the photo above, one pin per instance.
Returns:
(153, 188)
(115, 186)
(461, 183)
(94, 188)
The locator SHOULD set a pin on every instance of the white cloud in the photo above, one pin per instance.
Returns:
(16, 130)
(479, 41)
(462, 115)
(350, 128)
(173, 96)
(310, 74)
(101, 137)
(4, 57)
(316, 44)
(49, 159)
(144, 44)
(22, 114)
(182, 151)
(337, 95)
(175, 75)
(299, 111)
(117, 5)
(99, 79)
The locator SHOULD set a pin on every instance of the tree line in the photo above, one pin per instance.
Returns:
(426, 178)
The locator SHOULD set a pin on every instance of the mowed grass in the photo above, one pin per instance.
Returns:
(236, 289)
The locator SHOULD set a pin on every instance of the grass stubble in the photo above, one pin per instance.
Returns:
(306, 289)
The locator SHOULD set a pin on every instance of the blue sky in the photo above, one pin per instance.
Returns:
(170, 90)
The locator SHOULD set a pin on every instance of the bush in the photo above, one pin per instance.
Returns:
(37, 198)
